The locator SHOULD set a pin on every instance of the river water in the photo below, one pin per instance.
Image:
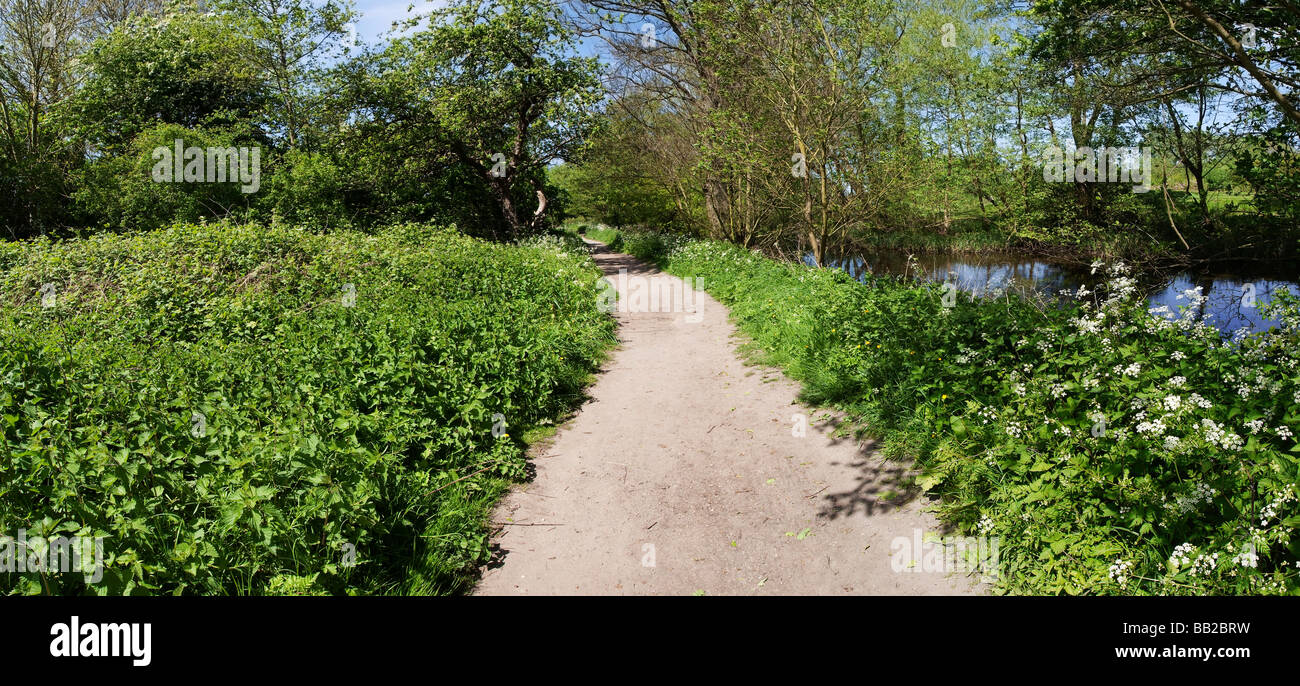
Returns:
(1233, 299)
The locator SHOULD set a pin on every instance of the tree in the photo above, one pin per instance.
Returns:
(499, 87)
(184, 69)
(614, 180)
(292, 40)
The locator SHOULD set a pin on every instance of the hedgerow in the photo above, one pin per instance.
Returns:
(250, 409)
(1112, 450)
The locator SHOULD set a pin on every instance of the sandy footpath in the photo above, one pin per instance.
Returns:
(681, 475)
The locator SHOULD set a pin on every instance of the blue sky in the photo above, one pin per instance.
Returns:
(377, 16)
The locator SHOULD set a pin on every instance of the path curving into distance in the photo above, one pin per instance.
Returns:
(682, 475)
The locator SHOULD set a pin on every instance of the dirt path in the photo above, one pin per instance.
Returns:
(682, 475)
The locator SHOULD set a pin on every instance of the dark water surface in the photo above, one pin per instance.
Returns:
(1233, 299)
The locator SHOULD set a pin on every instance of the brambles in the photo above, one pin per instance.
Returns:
(1112, 450)
(344, 448)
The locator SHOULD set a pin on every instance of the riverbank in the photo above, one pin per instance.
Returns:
(1236, 246)
(1109, 450)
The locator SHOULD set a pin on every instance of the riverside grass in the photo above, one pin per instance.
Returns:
(1113, 452)
(348, 447)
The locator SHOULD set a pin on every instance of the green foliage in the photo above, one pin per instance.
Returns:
(609, 236)
(122, 193)
(32, 196)
(1271, 165)
(307, 188)
(187, 69)
(594, 190)
(328, 428)
(1094, 438)
(499, 90)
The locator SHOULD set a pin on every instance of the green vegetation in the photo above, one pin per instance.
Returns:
(248, 409)
(605, 234)
(928, 126)
(455, 121)
(308, 381)
(1111, 450)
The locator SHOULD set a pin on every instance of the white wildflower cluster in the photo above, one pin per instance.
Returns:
(1178, 382)
(1283, 432)
(1119, 571)
(1088, 325)
(1260, 586)
(987, 414)
(1057, 390)
(1247, 557)
(1172, 402)
(1201, 494)
(1156, 324)
(1204, 565)
(1190, 312)
(1270, 510)
(1252, 382)
(986, 524)
(1181, 555)
(1091, 384)
(1153, 427)
(1217, 435)
(1019, 389)
(1131, 370)
(1255, 425)
(1015, 429)
(1178, 356)
(1121, 286)
(1173, 443)
(1197, 400)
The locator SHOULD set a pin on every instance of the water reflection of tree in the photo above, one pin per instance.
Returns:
(1223, 306)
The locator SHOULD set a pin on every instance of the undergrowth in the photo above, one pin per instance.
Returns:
(243, 409)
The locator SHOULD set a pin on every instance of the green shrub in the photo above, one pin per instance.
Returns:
(306, 188)
(232, 417)
(121, 193)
